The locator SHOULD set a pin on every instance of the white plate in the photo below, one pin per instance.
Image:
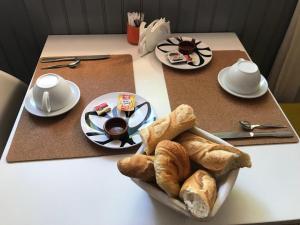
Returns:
(224, 183)
(263, 86)
(92, 124)
(171, 44)
(31, 107)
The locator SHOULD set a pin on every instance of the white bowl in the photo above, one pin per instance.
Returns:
(243, 77)
(224, 184)
(51, 92)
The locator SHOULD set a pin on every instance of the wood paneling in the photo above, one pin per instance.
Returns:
(76, 13)
(5, 65)
(170, 9)
(16, 30)
(261, 49)
(205, 14)
(280, 29)
(238, 16)
(221, 17)
(96, 16)
(25, 24)
(39, 19)
(57, 13)
(151, 10)
(115, 16)
(187, 13)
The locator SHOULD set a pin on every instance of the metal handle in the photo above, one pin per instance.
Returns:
(56, 66)
(240, 60)
(271, 126)
(273, 134)
(46, 102)
(58, 59)
(73, 58)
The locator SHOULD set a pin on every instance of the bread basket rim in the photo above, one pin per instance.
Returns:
(224, 186)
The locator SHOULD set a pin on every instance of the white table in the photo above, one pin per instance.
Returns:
(91, 191)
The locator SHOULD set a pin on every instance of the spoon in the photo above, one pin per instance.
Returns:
(71, 65)
(246, 125)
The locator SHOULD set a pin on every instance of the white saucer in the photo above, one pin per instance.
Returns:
(32, 108)
(263, 86)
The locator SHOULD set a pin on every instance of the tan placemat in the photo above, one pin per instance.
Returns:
(216, 110)
(61, 137)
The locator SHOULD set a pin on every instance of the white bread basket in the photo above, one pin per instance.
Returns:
(224, 184)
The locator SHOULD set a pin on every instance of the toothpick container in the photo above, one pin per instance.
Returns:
(133, 34)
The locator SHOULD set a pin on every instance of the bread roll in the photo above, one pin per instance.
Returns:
(172, 165)
(199, 193)
(181, 119)
(217, 158)
(138, 166)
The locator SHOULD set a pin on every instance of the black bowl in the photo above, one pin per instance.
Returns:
(186, 47)
(115, 128)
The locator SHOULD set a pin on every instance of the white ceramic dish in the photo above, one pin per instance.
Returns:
(224, 184)
(51, 92)
(262, 89)
(31, 107)
(92, 124)
(243, 77)
(172, 44)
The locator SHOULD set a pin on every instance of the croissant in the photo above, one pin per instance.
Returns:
(217, 158)
(138, 166)
(199, 193)
(181, 119)
(172, 165)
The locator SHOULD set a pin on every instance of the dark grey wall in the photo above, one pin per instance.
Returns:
(25, 24)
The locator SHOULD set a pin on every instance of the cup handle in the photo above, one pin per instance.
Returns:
(46, 102)
(241, 59)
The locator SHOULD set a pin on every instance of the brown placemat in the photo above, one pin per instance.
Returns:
(61, 137)
(216, 110)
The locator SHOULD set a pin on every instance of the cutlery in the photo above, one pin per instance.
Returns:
(244, 134)
(71, 65)
(72, 58)
(246, 125)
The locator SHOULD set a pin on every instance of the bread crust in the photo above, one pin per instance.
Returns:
(166, 128)
(202, 185)
(171, 165)
(217, 158)
(138, 166)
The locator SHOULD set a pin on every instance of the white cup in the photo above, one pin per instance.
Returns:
(243, 77)
(51, 92)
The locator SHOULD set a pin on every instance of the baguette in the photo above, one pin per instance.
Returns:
(181, 119)
(199, 193)
(172, 165)
(217, 158)
(138, 166)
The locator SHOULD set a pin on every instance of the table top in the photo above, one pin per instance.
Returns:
(91, 191)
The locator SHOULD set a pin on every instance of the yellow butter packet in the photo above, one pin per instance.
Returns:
(126, 102)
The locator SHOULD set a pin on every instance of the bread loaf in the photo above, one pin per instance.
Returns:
(217, 158)
(138, 166)
(171, 166)
(181, 119)
(199, 193)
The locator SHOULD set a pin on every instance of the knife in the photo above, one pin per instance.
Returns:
(243, 134)
(72, 58)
